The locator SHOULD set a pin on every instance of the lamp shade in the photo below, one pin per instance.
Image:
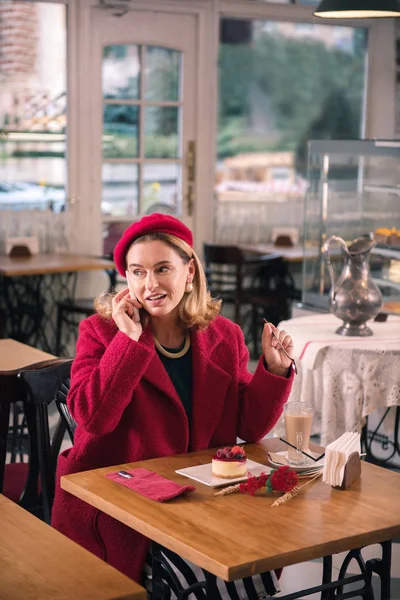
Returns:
(357, 9)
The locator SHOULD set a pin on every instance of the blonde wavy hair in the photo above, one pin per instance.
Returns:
(197, 309)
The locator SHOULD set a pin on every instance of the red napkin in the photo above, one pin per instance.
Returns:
(151, 485)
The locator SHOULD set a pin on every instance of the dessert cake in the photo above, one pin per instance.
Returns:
(229, 462)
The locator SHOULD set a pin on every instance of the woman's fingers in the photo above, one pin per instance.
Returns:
(126, 293)
(125, 312)
(118, 297)
(279, 338)
(123, 296)
(136, 303)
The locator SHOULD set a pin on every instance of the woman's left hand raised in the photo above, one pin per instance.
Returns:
(277, 362)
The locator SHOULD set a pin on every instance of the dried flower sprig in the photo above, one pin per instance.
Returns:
(286, 497)
(228, 490)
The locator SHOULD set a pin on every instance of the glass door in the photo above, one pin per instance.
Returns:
(144, 72)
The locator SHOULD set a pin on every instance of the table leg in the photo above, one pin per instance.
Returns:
(165, 580)
(23, 307)
(327, 577)
(30, 306)
(4, 420)
(382, 567)
(366, 573)
(368, 437)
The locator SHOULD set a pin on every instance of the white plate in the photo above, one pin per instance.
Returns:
(312, 466)
(203, 474)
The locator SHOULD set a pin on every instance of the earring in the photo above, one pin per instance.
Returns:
(189, 287)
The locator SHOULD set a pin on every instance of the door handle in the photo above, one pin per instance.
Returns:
(191, 176)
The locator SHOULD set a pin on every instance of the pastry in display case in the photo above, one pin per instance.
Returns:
(353, 190)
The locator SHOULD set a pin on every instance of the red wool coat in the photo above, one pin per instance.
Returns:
(127, 410)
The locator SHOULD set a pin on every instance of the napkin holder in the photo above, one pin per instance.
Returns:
(352, 471)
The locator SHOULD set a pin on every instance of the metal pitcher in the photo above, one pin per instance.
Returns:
(354, 297)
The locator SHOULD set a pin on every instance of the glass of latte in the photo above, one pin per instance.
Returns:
(298, 423)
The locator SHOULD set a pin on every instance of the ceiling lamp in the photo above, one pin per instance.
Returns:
(357, 9)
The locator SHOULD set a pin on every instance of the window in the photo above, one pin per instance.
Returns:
(398, 77)
(279, 87)
(33, 124)
(304, 27)
(141, 130)
(281, 174)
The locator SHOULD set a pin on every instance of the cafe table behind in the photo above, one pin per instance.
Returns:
(347, 378)
(237, 535)
(31, 287)
(38, 562)
(295, 253)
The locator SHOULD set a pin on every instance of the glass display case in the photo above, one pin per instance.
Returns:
(353, 189)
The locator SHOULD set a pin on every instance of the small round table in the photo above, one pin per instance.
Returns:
(348, 378)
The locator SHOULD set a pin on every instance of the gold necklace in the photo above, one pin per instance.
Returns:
(174, 354)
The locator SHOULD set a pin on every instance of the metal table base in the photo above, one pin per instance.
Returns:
(165, 581)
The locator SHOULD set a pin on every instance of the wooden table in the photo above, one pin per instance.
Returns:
(31, 287)
(289, 253)
(15, 356)
(41, 264)
(38, 562)
(237, 535)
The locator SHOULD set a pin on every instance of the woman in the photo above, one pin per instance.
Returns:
(159, 373)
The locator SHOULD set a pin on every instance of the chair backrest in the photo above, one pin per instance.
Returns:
(223, 254)
(13, 391)
(224, 273)
(238, 277)
(274, 277)
(44, 386)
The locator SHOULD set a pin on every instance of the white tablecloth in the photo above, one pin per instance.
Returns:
(346, 378)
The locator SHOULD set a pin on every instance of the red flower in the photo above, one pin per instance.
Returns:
(283, 479)
(253, 484)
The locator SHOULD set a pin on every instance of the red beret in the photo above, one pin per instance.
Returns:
(154, 223)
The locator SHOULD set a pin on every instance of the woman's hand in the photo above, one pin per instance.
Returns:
(126, 314)
(277, 362)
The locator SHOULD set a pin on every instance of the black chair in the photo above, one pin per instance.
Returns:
(44, 386)
(70, 311)
(257, 286)
(19, 481)
(2, 324)
(272, 295)
(225, 273)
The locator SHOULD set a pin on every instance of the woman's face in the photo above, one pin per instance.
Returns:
(158, 276)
